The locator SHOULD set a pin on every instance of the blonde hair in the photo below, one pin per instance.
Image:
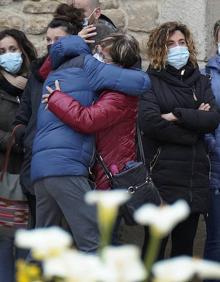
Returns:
(157, 44)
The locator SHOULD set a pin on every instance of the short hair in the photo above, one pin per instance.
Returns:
(27, 48)
(216, 30)
(102, 31)
(123, 48)
(69, 18)
(157, 44)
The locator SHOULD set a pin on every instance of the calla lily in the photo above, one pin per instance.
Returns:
(43, 242)
(184, 268)
(178, 269)
(108, 203)
(74, 266)
(162, 219)
(123, 264)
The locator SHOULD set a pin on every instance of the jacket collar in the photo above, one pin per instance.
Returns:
(185, 77)
(214, 62)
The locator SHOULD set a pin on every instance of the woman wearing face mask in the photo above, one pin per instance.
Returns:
(16, 54)
(174, 117)
(67, 20)
(212, 247)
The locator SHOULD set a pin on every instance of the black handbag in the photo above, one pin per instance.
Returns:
(138, 183)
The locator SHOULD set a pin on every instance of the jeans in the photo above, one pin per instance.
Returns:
(8, 255)
(212, 245)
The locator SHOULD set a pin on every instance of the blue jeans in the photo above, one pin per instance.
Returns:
(8, 256)
(212, 245)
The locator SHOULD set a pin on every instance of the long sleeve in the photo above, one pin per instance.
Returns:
(107, 111)
(197, 120)
(107, 76)
(154, 126)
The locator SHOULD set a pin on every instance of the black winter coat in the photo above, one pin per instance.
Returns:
(9, 103)
(175, 151)
(27, 116)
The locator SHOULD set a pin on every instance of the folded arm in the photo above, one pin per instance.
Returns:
(154, 126)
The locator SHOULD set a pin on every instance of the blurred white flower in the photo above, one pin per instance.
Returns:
(74, 266)
(207, 269)
(109, 199)
(178, 269)
(43, 242)
(108, 203)
(123, 264)
(162, 219)
(184, 268)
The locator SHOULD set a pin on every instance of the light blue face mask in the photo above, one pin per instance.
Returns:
(11, 62)
(178, 56)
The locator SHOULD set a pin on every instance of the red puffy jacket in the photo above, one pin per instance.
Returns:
(112, 118)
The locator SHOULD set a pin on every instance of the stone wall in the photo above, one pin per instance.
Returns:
(135, 16)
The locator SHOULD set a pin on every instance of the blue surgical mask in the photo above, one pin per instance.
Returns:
(11, 62)
(178, 56)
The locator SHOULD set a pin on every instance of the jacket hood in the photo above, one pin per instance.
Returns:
(214, 62)
(67, 48)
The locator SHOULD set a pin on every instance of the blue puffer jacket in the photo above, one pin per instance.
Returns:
(59, 150)
(213, 69)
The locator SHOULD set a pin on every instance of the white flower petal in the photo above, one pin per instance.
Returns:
(44, 241)
(74, 266)
(112, 198)
(206, 269)
(164, 218)
(178, 269)
(124, 264)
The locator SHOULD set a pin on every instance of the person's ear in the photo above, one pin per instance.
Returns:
(97, 13)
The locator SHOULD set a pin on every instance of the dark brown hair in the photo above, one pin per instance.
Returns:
(28, 50)
(157, 44)
(69, 18)
(123, 48)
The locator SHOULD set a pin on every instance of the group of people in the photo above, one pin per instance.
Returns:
(86, 96)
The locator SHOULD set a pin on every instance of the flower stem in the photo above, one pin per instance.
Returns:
(152, 251)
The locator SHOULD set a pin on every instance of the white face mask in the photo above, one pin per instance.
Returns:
(98, 57)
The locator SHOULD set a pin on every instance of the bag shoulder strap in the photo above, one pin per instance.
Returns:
(140, 148)
(140, 144)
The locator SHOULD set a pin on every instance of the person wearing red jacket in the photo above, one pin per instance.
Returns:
(112, 117)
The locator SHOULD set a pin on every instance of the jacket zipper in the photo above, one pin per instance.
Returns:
(194, 94)
(209, 166)
(192, 173)
(155, 159)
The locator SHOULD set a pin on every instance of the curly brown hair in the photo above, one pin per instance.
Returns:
(157, 44)
(69, 18)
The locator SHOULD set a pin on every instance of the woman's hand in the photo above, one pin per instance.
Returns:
(169, 117)
(204, 107)
(87, 32)
(45, 97)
